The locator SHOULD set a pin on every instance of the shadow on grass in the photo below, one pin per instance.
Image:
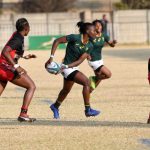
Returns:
(145, 142)
(88, 123)
(138, 54)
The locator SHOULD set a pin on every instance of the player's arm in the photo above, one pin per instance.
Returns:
(76, 63)
(54, 47)
(6, 54)
(109, 42)
(112, 43)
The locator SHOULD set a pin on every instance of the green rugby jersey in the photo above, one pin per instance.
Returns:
(98, 44)
(75, 48)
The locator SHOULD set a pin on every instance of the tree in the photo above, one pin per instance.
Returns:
(46, 5)
(137, 4)
(133, 4)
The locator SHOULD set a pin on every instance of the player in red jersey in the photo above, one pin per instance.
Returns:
(11, 71)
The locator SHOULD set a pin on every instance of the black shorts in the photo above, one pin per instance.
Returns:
(71, 76)
(99, 68)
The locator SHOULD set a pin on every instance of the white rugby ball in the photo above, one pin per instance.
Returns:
(53, 68)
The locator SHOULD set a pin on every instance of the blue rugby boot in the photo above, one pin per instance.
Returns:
(55, 111)
(91, 112)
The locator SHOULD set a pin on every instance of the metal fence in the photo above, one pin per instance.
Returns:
(131, 26)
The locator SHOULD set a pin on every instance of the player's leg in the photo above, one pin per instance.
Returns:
(26, 82)
(148, 121)
(101, 73)
(81, 79)
(67, 86)
(2, 86)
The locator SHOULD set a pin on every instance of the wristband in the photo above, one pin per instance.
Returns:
(52, 56)
(16, 66)
(66, 66)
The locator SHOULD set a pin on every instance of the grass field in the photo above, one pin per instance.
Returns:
(124, 101)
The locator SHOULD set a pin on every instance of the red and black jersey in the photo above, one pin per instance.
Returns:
(16, 43)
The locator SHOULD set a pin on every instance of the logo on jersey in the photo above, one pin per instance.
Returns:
(94, 40)
(77, 44)
(86, 49)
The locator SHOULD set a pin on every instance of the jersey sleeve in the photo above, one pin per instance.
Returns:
(14, 44)
(71, 38)
(107, 38)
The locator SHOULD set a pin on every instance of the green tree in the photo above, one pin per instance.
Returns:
(137, 4)
(46, 5)
(133, 4)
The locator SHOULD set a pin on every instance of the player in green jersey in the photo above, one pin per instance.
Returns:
(78, 49)
(96, 60)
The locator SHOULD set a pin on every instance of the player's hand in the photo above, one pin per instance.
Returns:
(48, 62)
(20, 71)
(30, 56)
(63, 66)
(114, 41)
(89, 57)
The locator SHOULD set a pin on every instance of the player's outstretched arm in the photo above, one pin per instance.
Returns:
(76, 63)
(6, 54)
(54, 47)
(112, 43)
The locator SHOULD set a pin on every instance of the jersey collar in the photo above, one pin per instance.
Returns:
(82, 40)
(19, 34)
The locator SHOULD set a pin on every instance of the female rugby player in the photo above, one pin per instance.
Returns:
(148, 121)
(78, 49)
(11, 71)
(96, 61)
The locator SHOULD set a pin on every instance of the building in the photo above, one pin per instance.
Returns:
(11, 6)
(99, 5)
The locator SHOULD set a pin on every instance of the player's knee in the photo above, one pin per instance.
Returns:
(86, 82)
(32, 86)
(109, 75)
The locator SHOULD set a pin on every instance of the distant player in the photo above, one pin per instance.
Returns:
(105, 22)
(96, 60)
(11, 71)
(78, 49)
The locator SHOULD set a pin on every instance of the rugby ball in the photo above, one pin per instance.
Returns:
(53, 68)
